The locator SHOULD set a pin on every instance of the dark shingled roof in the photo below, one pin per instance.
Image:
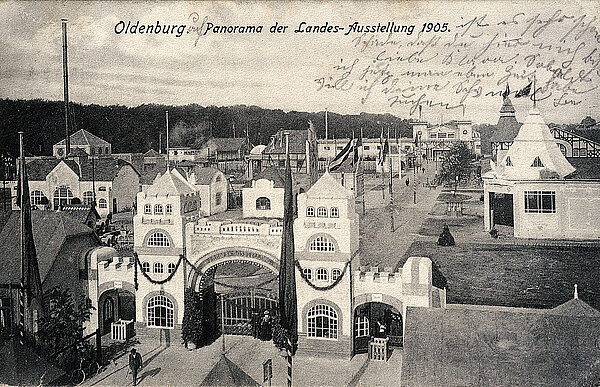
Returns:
(473, 346)
(508, 126)
(83, 137)
(270, 173)
(227, 144)
(103, 169)
(39, 168)
(585, 168)
(298, 140)
(80, 212)
(50, 230)
(227, 374)
(204, 175)
(576, 308)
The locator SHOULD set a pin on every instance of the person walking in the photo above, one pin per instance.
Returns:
(135, 364)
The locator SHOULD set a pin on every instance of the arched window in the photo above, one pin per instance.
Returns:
(145, 267)
(158, 239)
(321, 243)
(334, 212)
(218, 179)
(38, 197)
(307, 273)
(310, 211)
(62, 195)
(362, 326)
(199, 202)
(263, 203)
(508, 161)
(158, 268)
(322, 212)
(322, 274)
(218, 198)
(158, 209)
(99, 151)
(335, 274)
(322, 322)
(147, 209)
(171, 268)
(102, 203)
(160, 312)
(169, 209)
(88, 198)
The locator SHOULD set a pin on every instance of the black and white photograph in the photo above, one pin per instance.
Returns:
(300, 193)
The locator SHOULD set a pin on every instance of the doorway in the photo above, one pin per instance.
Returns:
(376, 319)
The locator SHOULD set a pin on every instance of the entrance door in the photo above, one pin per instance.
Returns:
(115, 210)
(242, 312)
(108, 314)
(376, 319)
(502, 204)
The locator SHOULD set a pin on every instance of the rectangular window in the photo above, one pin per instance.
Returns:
(433, 135)
(218, 198)
(540, 202)
(366, 147)
(441, 135)
(450, 135)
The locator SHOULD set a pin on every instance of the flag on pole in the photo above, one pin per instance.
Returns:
(359, 143)
(29, 266)
(341, 157)
(524, 92)
(506, 92)
(288, 313)
(382, 149)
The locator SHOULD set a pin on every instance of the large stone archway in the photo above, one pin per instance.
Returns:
(205, 265)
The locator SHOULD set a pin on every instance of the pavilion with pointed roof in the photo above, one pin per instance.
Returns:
(506, 128)
(530, 188)
(85, 141)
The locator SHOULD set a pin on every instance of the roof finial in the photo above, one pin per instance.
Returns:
(575, 295)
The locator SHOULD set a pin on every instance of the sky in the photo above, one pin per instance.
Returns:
(452, 72)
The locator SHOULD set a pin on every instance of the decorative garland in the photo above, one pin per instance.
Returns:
(158, 282)
(246, 287)
(322, 288)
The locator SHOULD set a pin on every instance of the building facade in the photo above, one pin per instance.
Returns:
(534, 189)
(85, 141)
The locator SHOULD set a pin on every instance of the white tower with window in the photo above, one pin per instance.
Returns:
(159, 228)
(326, 236)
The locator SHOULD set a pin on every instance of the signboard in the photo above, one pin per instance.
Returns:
(376, 297)
(118, 284)
(268, 370)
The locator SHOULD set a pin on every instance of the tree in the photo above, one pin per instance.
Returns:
(588, 122)
(456, 165)
(63, 325)
(191, 330)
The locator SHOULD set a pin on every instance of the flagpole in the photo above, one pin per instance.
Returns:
(167, 118)
(23, 294)
(288, 348)
(360, 160)
(222, 324)
(534, 90)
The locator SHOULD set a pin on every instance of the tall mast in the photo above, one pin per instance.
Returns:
(167, 117)
(326, 125)
(66, 87)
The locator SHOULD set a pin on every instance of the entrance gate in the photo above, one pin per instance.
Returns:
(502, 205)
(375, 319)
(243, 311)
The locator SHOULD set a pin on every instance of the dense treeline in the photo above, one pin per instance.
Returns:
(137, 129)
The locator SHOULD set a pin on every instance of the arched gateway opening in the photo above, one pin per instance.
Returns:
(376, 319)
(247, 281)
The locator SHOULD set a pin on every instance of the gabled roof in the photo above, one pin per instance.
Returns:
(327, 187)
(575, 308)
(152, 153)
(297, 140)
(270, 173)
(534, 144)
(227, 374)
(508, 126)
(50, 230)
(205, 175)
(227, 144)
(171, 182)
(80, 212)
(39, 168)
(103, 168)
(83, 137)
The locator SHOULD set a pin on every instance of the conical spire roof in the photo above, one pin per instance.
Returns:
(534, 154)
(508, 126)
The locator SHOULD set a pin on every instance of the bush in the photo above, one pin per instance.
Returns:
(446, 238)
